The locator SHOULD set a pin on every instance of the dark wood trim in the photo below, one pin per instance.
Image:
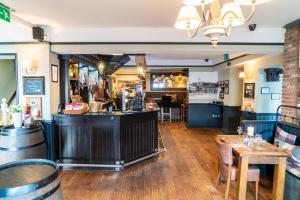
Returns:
(144, 43)
(173, 66)
(12, 43)
(163, 43)
(64, 79)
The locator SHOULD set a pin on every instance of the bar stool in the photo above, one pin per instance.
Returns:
(166, 109)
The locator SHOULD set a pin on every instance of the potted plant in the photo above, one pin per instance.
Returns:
(16, 113)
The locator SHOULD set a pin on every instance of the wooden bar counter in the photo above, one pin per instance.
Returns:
(105, 140)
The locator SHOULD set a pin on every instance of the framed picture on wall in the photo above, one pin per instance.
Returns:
(226, 87)
(36, 105)
(275, 96)
(54, 73)
(249, 90)
(265, 90)
(34, 85)
(221, 95)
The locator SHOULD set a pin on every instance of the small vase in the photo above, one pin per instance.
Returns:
(17, 119)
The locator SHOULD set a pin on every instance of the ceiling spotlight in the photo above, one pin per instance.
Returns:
(252, 27)
(242, 75)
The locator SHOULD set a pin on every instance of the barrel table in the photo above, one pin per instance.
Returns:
(31, 179)
(22, 143)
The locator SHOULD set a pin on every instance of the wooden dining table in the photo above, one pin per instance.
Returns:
(262, 153)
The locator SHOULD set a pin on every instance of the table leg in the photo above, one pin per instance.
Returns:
(242, 178)
(279, 179)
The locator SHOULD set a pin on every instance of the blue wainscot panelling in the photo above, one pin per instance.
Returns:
(231, 119)
(258, 116)
(205, 115)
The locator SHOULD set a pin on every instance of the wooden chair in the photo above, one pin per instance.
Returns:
(228, 168)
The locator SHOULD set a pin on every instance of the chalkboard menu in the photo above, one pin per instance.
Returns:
(34, 85)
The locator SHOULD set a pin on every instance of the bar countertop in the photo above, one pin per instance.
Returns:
(114, 113)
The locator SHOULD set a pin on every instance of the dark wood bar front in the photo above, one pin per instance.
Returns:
(105, 140)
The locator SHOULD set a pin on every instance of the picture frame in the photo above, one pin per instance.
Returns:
(249, 90)
(275, 96)
(265, 90)
(34, 85)
(54, 73)
(221, 95)
(226, 87)
(36, 106)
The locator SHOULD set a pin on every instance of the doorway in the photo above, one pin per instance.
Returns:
(8, 78)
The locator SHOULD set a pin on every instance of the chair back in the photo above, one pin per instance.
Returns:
(225, 152)
(166, 101)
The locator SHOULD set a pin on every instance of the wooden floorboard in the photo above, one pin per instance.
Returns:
(187, 171)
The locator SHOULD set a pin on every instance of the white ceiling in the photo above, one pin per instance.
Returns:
(134, 13)
(142, 21)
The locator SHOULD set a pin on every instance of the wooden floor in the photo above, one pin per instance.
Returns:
(187, 171)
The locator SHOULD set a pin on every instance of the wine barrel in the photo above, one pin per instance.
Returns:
(30, 179)
(22, 143)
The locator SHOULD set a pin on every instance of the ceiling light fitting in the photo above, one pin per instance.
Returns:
(216, 21)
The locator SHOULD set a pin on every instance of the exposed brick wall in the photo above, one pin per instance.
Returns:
(291, 70)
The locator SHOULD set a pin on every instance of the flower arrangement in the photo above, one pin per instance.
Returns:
(16, 109)
(16, 113)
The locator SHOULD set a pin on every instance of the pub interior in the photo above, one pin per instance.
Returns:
(114, 106)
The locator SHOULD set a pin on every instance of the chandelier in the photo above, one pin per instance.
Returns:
(216, 21)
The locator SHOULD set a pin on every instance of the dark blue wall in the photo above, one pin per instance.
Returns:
(205, 116)
(231, 118)
(49, 136)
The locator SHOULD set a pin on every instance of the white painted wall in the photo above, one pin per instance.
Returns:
(159, 35)
(235, 87)
(27, 53)
(234, 97)
(254, 74)
(264, 104)
(54, 87)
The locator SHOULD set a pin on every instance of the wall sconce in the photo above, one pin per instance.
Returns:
(242, 75)
(31, 68)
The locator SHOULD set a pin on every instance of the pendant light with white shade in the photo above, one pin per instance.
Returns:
(250, 2)
(197, 2)
(188, 18)
(232, 14)
(216, 21)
